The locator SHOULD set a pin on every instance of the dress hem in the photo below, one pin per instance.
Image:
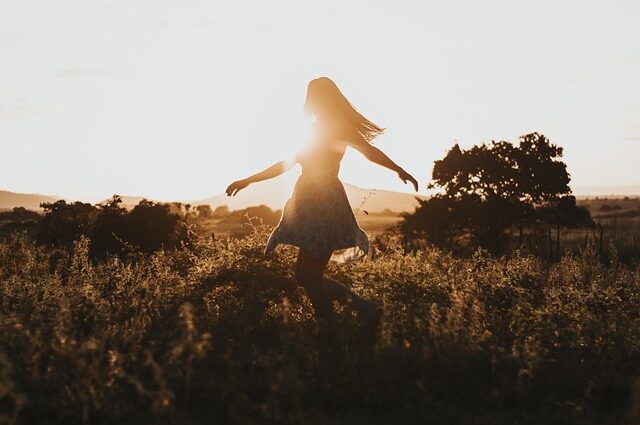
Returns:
(356, 251)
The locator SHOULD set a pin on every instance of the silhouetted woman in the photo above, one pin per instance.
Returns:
(318, 218)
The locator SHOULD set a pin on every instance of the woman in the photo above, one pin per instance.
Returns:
(318, 218)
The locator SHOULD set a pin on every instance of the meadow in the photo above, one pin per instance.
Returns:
(216, 332)
(235, 224)
(617, 223)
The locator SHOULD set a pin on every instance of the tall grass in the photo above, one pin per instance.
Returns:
(215, 332)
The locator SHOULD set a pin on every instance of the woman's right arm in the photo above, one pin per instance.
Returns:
(274, 171)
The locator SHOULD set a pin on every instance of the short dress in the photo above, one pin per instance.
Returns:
(318, 216)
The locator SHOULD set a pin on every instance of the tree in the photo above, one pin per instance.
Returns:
(204, 211)
(151, 226)
(563, 212)
(108, 229)
(221, 211)
(20, 214)
(262, 212)
(19, 220)
(63, 223)
(542, 176)
(488, 189)
(432, 220)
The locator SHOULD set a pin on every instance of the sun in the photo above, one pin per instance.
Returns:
(298, 138)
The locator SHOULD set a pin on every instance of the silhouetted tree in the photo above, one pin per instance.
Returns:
(63, 223)
(488, 189)
(563, 212)
(204, 211)
(148, 227)
(221, 211)
(262, 212)
(541, 176)
(151, 226)
(108, 231)
(20, 214)
(19, 220)
(433, 220)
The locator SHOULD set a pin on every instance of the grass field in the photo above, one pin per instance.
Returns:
(215, 332)
(372, 223)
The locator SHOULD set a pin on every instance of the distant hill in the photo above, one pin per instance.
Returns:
(31, 201)
(613, 191)
(275, 193)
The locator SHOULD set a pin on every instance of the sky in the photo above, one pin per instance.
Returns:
(175, 99)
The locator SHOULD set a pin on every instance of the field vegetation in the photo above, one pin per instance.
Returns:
(214, 331)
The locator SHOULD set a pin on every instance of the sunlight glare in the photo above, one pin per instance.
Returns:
(299, 138)
(295, 141)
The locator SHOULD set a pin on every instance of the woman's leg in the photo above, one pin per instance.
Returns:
(309, 271)
(369, 312)
(323, 290)
(339, 291)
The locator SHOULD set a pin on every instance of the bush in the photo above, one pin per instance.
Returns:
(150, 226)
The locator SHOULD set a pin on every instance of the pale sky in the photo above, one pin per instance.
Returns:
(174, 99)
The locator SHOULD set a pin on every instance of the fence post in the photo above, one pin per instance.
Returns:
(558, 241)
(601, 235)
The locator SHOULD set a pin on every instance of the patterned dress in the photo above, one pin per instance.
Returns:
(318, 216)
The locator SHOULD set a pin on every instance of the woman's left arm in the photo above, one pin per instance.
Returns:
(376, 156)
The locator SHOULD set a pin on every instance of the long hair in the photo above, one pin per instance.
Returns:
(324, 96)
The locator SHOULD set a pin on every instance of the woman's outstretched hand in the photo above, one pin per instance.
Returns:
(236, 187)
(406, 177)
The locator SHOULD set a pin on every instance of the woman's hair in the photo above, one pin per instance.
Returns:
(324, 97)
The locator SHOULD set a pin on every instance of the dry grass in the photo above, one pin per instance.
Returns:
(217, 332)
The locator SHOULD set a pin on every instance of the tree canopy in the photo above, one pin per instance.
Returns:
(488, 188)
